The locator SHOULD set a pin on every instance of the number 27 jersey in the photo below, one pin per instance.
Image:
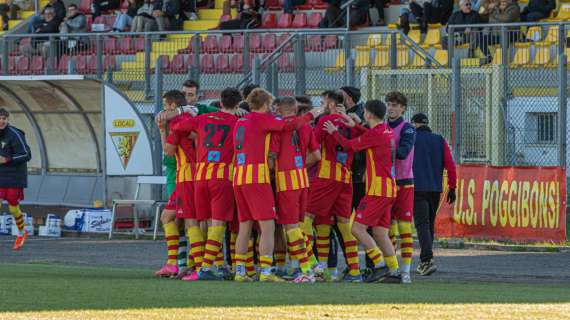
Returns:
(214, 144)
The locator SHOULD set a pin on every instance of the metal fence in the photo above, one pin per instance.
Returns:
(497, 92)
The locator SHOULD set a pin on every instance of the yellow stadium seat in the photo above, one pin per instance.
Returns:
(339, 64)
(418, 61)
(542, 54)
(382, 59)
(441, 57)
(433, 37)
(415, 35)
(498, 56)
(552, 35)
(362, 58)
(434, 25)
(534, 33)
(563, 12)
(374, 40)
(403, 57)
(470, 62)
(522, 56)
(389, 39)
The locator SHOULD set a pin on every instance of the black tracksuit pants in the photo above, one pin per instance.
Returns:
(425, 209)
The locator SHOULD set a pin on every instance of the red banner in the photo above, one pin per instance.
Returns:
(506, 203)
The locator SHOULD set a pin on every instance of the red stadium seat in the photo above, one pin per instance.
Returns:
(319, 4)
(37, 65)
(306, 6)
(314, 43)
(126, 46)
(207, 63)
(269, 42)
(63, 64)
(282, 38)
(285, 63)
(165, 63)
(138, 44)
(177, 65)
(88, 22)
(85, 6)
(186, 50)
(236, 63)
(226, 43)
(92, 64)
(210, 44)
(273, 5)
(223, 63)
(23, 66)
(25, 42)
(269, 21)
(330, 42)
(255, 42)
(285, 21)
(81, 64)
(237, 43)
(300, 21)
(109, 62)
(12, 65)
(189, 62)
(109, 45)
(314, 20)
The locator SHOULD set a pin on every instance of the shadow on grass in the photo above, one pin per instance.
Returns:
(55, 288)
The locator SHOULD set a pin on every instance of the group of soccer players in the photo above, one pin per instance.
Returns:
(271, 180)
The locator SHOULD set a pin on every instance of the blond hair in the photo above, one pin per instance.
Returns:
(258, 98)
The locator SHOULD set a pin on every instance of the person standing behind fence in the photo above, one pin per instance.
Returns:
(14, 154)
(431, 156)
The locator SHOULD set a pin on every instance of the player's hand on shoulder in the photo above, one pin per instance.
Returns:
(241, 112)
(161, 119)
(348, 120)
(329, 127)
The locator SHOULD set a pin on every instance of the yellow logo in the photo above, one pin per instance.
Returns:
(124, 143)
(124, 123)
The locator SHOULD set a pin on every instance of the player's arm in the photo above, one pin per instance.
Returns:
(169, 142)
(291, 124)
(21, 151)
(274, 148)
(449, 165)
(186, 126)
(202, 109)
(314, 152)
(360, 143)
(407, 141)
(313, 157)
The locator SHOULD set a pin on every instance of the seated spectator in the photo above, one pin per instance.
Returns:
(506, 11)
(59, 13)
(537, 10)
(188, 10)
(166, 14)
(485, 8)
(145, 21)
(379, 5)
(289, 5)
(336, 18)
(425, 12)
(75, 22)
(463, 16)
(104, 5)
(125, 19)
(248, 17)
(12, 7)
(41, 45)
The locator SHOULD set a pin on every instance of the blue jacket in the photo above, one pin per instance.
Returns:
(14, 173)
(431, 156)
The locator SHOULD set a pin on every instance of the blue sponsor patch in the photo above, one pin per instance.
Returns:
(341, 157)
(214, 156)
(298, 162)
(240, 157)
(393, 171)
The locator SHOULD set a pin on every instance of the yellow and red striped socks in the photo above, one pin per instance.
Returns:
(240, 260)
(233, 238)
(196, 240)
(376, 256)
(406, 244)
(297, 249)
(219, 259)
(280, 259)
(249, 263)
(392, 233)
(392, 263)
(323, 243)
(213, 245)
(265, 263)
(350, 248)
(18, 217)
(172, 236)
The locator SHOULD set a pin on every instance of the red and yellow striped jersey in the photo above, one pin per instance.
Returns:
(380, 154)
(214, 144)
(185, 151)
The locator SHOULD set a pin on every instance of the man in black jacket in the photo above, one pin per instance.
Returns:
(537, 10)
(336, 18)
(14, 154)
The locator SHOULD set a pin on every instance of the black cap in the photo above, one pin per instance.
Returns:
(420, 118)
(352, 92)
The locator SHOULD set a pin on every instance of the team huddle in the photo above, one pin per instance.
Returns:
(272, 184)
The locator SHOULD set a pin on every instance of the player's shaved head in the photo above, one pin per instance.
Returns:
(287, 106)
(230, 98)
(376, 108)
(259, 98)
(174, 97)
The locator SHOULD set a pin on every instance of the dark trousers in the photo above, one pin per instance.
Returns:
(425, 209)
(379, 5)
(335, 17)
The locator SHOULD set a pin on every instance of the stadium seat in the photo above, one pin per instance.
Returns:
(88, 22)
(165, 61)
(109, 45)
(85, 6)
(91, 66)
(305, 6)
(534, 33)
(225, 45)
(138, 44)
(285, 63)
(403, 57)
(269, 42)
(299, 21)
(126, 46)
(498, 56)
(178, 65)
(223, 63)
(563, 13)
(237, 43)
(285, 21)
(330, 42)
(415, 35)
(522, 55)
(210, 44)
(11, 65)
(255, 42)
(419, 61)
(62, 64)
(273, 5)
(37, 65)
(269, 21)
(282, 38)
(236, 63)
(23, 65)
(81, 64)
(188, 48)
(470, 62)
(319, 4)
(314, 19)
(382, 58)
(109, 62)
(375, 40)
(207, 63)
(314, 43)
(552, 35)
(433, 37)
(441, 56)
(542, 54)
(362, 58)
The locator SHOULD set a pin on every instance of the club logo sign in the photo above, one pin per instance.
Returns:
(124, 143)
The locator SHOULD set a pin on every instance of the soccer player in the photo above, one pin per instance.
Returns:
(183, 147)
(292, 182)
(374, 208)
(402, 211)
(252, 188)
(330, 195)
(14, 155)
(214, 197)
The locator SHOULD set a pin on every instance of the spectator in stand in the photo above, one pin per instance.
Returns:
(537, 10)
(485, 7)
(12, 7)
(463, 16)
(425, 12)
(104, 5)
(506, 11)
(289, 5)
(41, 44)
(167, 15)
(188, 10)
(75, 22)
(59, 14)
(145, 21)
(125, 19)
(336, 18)
(248, 17)
(379, 5)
